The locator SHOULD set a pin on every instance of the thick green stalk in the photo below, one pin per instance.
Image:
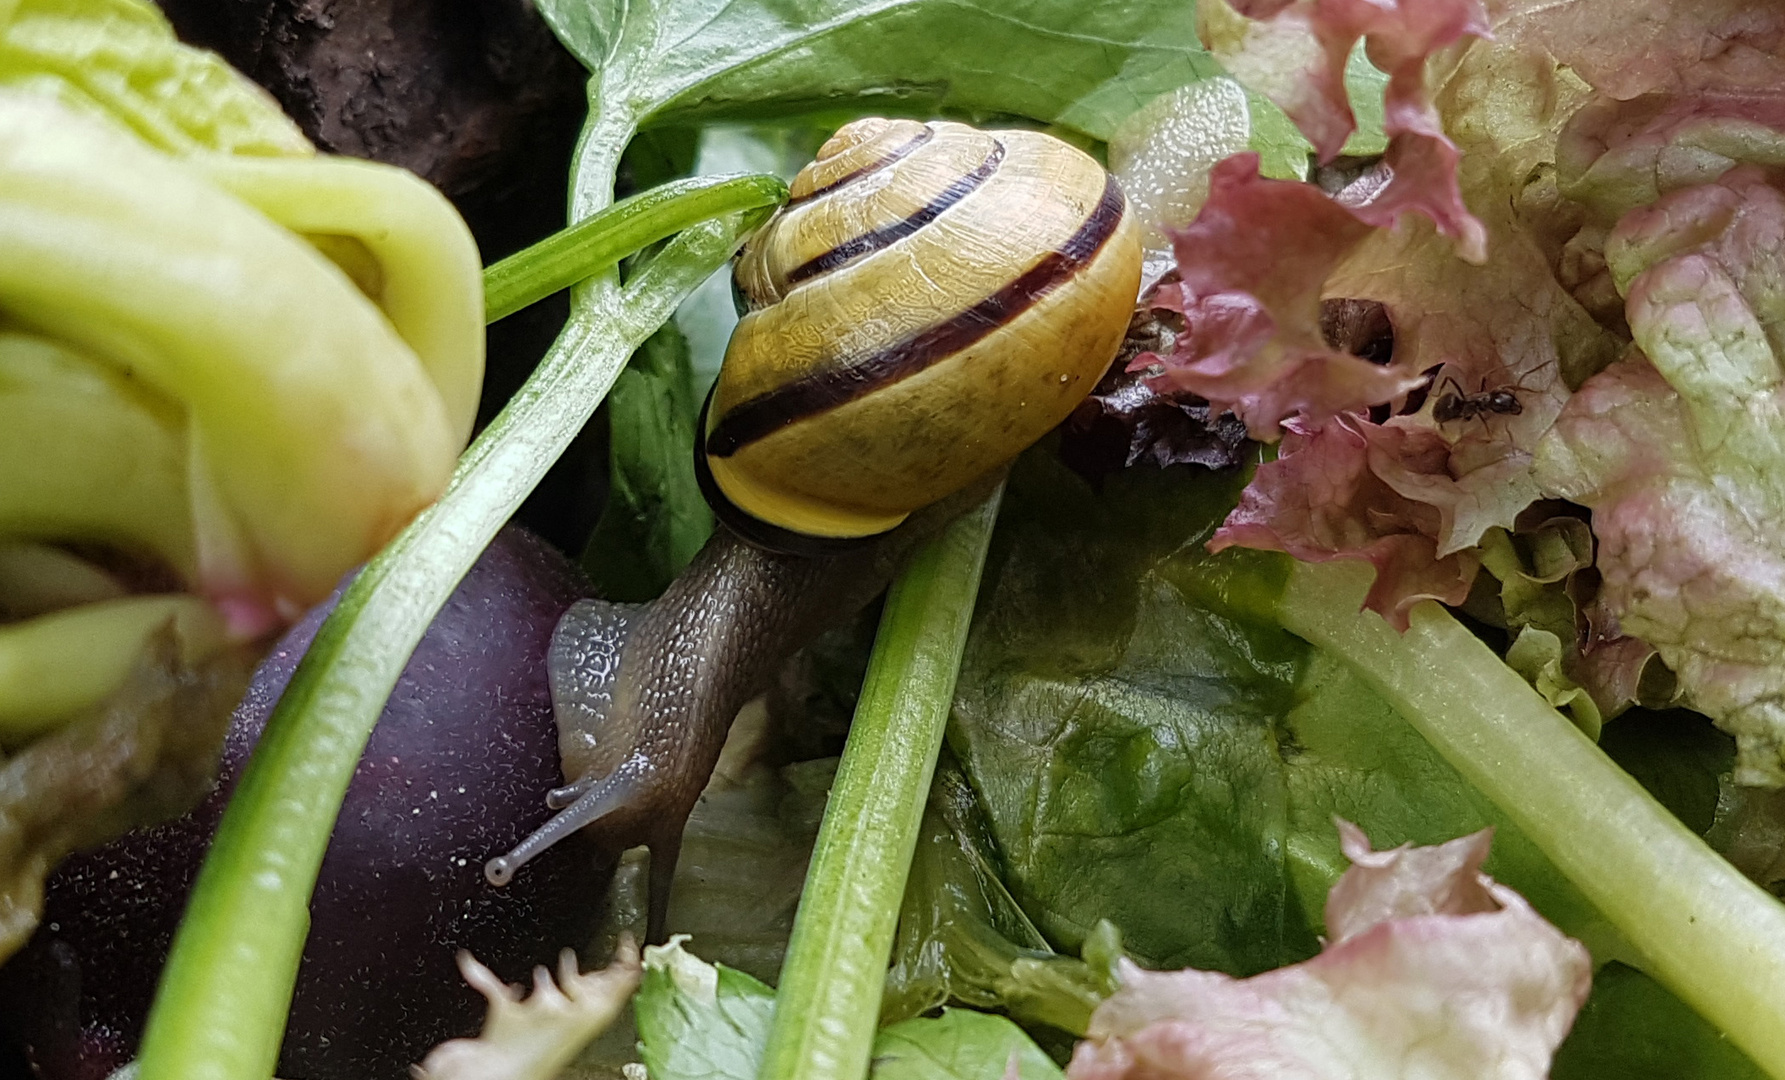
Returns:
(1711, 935)
(220, 1010)
(591, 246)
(828, 1003)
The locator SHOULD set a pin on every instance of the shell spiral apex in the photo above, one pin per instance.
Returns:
(931, 300)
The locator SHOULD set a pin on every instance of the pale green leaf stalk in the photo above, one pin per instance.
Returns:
(1709, 934)
(561, 260)
(51, 666)
(220, 1011)
(828, 1002)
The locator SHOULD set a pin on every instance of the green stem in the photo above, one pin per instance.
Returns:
(591, 246)
(829, 999)
(220, 1010)
(1709, 934)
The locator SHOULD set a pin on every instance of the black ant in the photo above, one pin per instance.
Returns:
(1453, 402)
(1461, 405)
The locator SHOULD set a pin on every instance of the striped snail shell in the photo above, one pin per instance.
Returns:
(931, 300)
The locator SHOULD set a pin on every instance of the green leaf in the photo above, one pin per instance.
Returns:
(1282, 150)
(1058, 61)
(1117, 716)
(656, 518)
(959, 1045)
(1633, 1029)
(963, 939)
(1353, 756)
(699, 1021)
(1285, 152)
(743, 861)
(1366, 84)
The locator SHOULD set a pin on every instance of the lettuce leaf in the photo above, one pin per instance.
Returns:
(1149, 747)
(1116, 719)
(1679, 451)
(699, 1021)
(1431, 969)
(1146, 747)
(1670, 48)
(1500, 105)
(963, 939)
(959, 1045)
(1251, 268)
(1295, 53)
(1323, 499)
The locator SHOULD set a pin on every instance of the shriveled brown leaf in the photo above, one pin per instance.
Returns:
(146, 754)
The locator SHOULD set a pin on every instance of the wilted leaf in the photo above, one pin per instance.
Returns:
(533, 1036)
(145, 754)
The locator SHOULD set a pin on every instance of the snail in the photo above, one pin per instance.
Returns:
(931, 300)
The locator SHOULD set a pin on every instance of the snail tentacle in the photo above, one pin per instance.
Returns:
(611, 793)
(559, 798)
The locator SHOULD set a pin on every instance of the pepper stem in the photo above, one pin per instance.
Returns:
(828, 1003)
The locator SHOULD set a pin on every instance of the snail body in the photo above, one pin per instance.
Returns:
(931, 300)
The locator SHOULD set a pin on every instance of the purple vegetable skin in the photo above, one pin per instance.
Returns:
(454, 772)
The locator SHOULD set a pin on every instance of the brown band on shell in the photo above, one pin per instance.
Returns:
(876, 165)
(869, 242)
(824, 390)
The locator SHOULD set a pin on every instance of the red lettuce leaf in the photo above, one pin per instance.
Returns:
(1252, 268)
(1680, 453)
(1295, 55)
(1323, 499)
